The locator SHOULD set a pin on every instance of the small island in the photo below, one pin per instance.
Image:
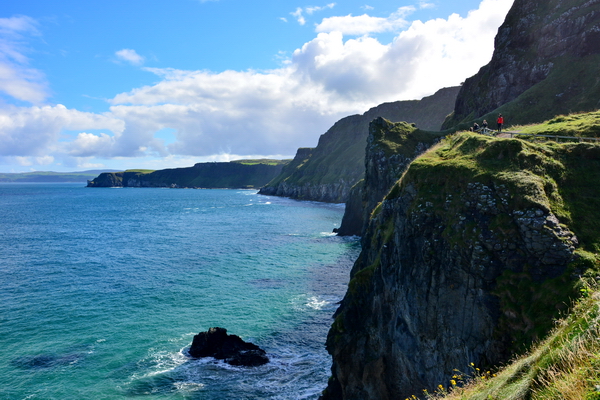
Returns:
(230, 348)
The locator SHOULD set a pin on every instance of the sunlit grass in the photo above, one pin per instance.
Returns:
(564, 366)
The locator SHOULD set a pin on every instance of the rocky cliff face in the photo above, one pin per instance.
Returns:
(464, 261)
(384, 164)
(337, 163)
(233, 174)
(545, 61)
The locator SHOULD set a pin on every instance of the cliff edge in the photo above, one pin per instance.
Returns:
(329, 171)
(391, 147)
(242, 174)
(469, 259)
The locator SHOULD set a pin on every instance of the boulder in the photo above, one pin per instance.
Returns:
(230, 348)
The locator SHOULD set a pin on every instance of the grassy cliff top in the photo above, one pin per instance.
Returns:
(262, 161)
(140, 171)
(400, 137)
(563, 178)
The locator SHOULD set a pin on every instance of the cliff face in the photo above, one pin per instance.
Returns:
(203, 175)
(545, 63)
(467, 260)
(337, 163)
(391, 147)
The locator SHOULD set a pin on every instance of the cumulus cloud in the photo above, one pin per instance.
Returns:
(17, 79)
(215, 115)
(36, 131)
(130, 56)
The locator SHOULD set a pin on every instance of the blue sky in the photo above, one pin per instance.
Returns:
(161, 84)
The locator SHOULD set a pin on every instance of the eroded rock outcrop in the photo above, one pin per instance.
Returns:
(545, 62)
(390, 149)
(465, 261)
(231, 348)
(329, 171)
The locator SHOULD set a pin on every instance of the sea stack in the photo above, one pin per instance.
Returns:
(230, 348)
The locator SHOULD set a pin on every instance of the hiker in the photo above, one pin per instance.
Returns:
(475, 127)
(484, 124)
(500, 121)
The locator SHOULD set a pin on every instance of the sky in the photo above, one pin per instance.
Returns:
(161, 84)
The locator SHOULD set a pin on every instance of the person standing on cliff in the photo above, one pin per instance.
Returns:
(500, 121)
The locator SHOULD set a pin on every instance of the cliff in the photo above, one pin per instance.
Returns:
(545, 63)
(329, 171)
(469, 259)
(234, 174)
(390, 149)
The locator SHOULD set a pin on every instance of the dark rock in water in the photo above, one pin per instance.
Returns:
(230, 348)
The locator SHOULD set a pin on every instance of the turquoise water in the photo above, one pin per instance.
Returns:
(102, 291)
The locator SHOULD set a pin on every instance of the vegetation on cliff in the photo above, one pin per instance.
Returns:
(519, 217)
(328, 172)
(563, 179)
(564, 366)
(583, 125)
(235, 174)
(390, 149)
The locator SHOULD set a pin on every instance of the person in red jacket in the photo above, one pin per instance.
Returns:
(500, 121)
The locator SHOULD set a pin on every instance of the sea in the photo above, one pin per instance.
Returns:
(103, 289)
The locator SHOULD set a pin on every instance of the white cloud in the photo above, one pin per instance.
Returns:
(299, 17)
(88, 144)
(215, 115)
(365, 24)
(36, 131)
(299, 12)
(311, 10)
(17, 79)
(130, 56)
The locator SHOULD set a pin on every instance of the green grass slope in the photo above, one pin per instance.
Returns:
(546, 62)
(572, 86)
(565, 366)
(584, 125)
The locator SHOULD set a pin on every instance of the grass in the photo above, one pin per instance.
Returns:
(560, 177)
(262, 161)
(140, 171)
(572, 86)
(576, 125)
(566, 365)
